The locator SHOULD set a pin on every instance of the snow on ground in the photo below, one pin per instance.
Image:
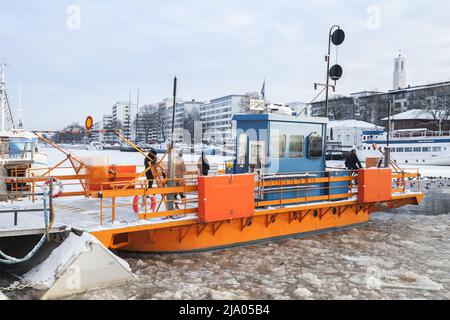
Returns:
(47, 272)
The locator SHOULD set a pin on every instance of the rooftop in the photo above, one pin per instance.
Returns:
(352, 124)
(414, 114)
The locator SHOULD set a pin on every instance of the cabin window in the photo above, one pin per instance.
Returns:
(277, 145)
(426, 149)
(436, 149)
(399, 149)
(257, 153)
(242, 150)
(417, 149)
(296, 144)
(409, 149)
(315, 146)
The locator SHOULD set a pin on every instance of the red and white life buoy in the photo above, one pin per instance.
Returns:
(57, 192)
(136, 203)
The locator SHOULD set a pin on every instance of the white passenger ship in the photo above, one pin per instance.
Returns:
(411, 146)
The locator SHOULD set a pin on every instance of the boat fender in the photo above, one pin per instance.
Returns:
(59, 187)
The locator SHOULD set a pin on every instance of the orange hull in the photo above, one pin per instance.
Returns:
(197, 237)
(190, 235)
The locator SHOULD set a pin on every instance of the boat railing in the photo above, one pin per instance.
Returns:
(421, 133)
(160, 201)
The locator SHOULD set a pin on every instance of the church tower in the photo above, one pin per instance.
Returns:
(399, 72)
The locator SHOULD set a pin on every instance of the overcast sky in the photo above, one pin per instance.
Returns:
(69, 67)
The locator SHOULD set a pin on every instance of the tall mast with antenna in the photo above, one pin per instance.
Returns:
(2, 94)
(19, 112)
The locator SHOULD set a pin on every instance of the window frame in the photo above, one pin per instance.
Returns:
(296, 154)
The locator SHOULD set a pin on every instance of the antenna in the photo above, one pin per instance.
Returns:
(19, 111)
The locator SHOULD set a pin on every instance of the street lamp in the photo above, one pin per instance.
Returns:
(337, 37)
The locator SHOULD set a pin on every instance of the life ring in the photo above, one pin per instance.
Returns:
(59, 185)
(136, 203)
(400, 181)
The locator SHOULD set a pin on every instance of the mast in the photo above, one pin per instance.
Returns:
(2, 95)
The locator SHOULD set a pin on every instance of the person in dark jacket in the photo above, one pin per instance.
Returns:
(352, 162)
(148, 161)
(203, 165)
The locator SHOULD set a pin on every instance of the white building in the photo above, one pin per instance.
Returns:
(301, 108)
(399, 80)
(216, 117)
(99, 128)
(123, 115)
(349, 132)
(184, 108)
(166, 109)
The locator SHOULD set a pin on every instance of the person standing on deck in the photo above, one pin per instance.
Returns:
(203, 165)
(180, 171)
(149, 161)
(352, 162)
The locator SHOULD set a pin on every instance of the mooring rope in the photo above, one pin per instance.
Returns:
(12, 260)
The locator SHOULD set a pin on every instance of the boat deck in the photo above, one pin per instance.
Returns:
(79, 213)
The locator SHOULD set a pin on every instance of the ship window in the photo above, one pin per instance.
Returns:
(399, 149)
(257, 153)
(296, 144)
(315, 146)
(426, 149)
(417, 149)
(436, 149)
(277, 145)
(409, 149)
(242, 150)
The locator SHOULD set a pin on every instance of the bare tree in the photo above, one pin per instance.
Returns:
(439, 109)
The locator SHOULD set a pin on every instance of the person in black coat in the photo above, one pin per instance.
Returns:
(148, 161)
(352, 162)
(203, 165)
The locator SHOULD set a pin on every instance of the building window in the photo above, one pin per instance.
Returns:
(296, 144)
(315, 146)
(277, 145)
(242, 150)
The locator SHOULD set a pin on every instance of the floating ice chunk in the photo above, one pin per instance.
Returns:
(312, 280)
(222, 295)
(3, 297)
(303, 293)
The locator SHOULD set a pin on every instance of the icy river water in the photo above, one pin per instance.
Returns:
(400, 254)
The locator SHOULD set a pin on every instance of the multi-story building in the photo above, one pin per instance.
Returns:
(123, 116)
(100, 132)
(372, 106)
(165, 108)
(148, 124)
(216, 117)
